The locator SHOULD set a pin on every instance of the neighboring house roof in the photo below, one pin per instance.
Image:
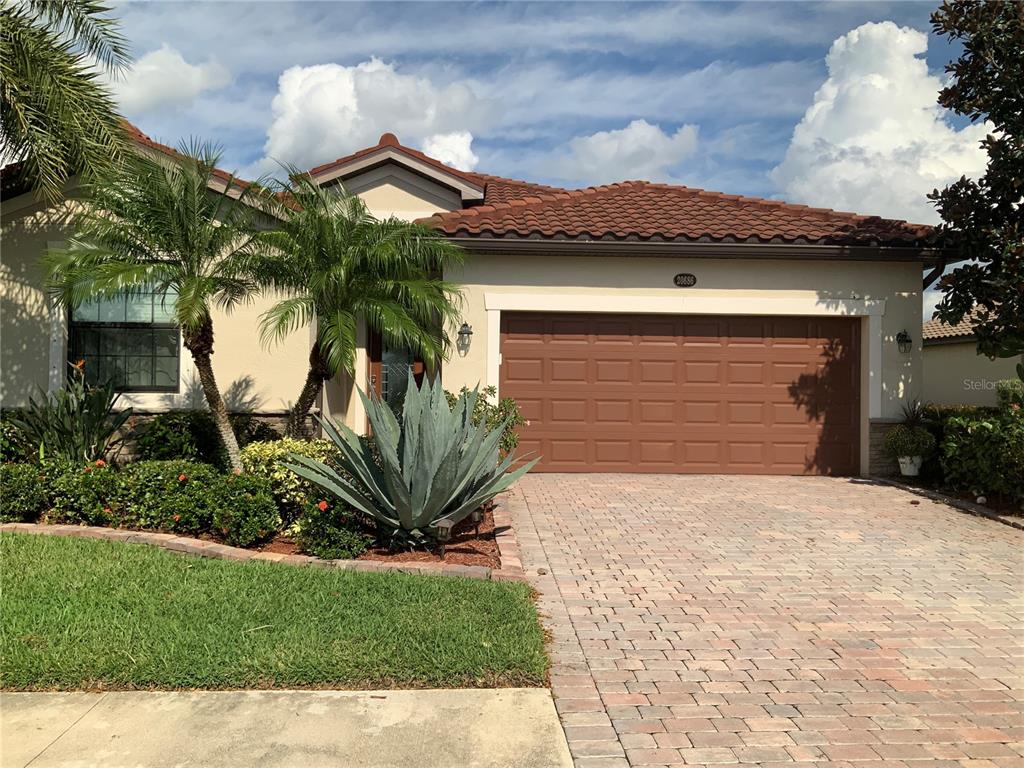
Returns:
(935, 331)
(640, 210)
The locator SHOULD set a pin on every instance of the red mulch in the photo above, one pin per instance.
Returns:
(465, 548)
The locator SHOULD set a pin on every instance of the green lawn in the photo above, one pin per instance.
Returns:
(79, 613)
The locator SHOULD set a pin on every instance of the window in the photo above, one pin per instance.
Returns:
(131, 341)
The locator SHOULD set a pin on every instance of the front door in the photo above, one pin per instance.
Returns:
(389, 371)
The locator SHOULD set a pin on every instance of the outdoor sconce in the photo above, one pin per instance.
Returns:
(904, 342)
(465, 337)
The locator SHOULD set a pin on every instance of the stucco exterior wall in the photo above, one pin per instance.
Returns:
(955, 374)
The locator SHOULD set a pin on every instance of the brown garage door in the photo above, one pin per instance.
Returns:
(685, 393)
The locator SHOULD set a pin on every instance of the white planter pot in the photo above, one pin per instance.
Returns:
(910, 465)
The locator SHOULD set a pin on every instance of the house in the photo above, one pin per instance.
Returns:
(954, 372)
(641, 327)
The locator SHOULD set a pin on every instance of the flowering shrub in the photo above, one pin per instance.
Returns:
(170, 495)
(263, 459)
(331, 532)
(89, 494)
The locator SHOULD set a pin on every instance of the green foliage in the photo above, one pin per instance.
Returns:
(292, 493)
(175, 496)
(74, 424)
(23, 494)
(905, 440)
(504, 415)
(244, 512)
(341, 267)
(331, 531)
(985, 454)
(55, 112)
(89, 494)
(193, 436)
(1010, 393)
(982, 219)
(436, 466)
(14, 446)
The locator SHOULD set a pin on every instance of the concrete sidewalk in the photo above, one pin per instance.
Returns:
(510, 728)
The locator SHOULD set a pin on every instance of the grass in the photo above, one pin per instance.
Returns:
(86, 614)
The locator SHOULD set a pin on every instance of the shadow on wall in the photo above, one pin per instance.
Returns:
(24, 309)
(829, 398)
(239, 396)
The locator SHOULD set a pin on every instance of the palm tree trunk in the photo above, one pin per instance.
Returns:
(200, 344)
(315, 378)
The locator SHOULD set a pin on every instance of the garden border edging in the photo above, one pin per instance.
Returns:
(969, 507)
(508, 549)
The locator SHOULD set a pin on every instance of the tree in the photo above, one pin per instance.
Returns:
(56, 117)
(983, 220)
(155, 225)
(337, 265)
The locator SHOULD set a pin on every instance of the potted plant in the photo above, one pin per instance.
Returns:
(910, 442)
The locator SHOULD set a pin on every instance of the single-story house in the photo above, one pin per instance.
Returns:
(954, 372)
(641, 327)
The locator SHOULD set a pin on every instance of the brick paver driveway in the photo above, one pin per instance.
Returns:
(708, 620)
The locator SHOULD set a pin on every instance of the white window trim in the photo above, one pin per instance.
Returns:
(872, 309)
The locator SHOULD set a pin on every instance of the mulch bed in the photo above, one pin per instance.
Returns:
(465, 547)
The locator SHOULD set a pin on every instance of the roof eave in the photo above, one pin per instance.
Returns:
(689, 249)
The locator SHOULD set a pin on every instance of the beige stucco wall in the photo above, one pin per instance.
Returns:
(955, 374)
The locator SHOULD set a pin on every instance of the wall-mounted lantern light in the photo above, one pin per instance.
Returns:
(465, 337)
(904, 342)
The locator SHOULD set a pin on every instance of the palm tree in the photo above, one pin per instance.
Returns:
(157, 226)
(56, 116)
(339, 265)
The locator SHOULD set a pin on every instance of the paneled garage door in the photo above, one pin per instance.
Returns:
(685, 393)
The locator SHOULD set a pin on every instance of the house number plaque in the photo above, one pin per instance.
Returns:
(685, 280)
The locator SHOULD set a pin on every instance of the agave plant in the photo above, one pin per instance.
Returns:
(418, 476)
(77, 423)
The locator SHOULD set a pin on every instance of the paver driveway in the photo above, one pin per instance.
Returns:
(708, 620)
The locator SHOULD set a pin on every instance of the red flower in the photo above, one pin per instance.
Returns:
(237, 472)
(322, 506)
(182, 477)
(106, 510)
(88, 469)
(177, 518)
(100, 463)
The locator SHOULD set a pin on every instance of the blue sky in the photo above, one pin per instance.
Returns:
(716, 95)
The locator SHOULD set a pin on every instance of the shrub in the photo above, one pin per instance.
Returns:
(170, 495)
(504, 415)
(985, 454)
(291, 492)
(244, 512)
(436, 466)
(193, 436)
(904, 440)
(331, 531)
(89, 494)
(14, 446)
(23, 495)
(1010, 393)
(74, 424)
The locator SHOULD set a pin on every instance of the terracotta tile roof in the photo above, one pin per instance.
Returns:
(497, 189)
(140, 138)
(936, 329)
(640, 210)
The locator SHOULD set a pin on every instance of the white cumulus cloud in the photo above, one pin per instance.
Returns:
(326, 110)
(874, 140)
(162, 78)
(638, 151)
(454, 149)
